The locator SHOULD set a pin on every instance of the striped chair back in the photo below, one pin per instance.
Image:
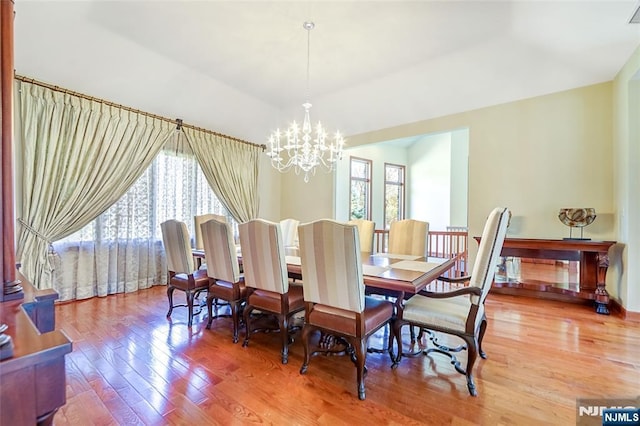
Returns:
(365, 230)
(331, 265)
(263, 256)
(408, 237)
(220, 251)
(177, 246)
(199, 220)
(290, 232)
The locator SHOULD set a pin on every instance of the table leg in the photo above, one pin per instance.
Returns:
(601, 294)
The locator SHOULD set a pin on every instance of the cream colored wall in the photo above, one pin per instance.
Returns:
(269, 184)
(429, 181)
(533, 156)
(626, 135)
(459, 177)
(307, 201)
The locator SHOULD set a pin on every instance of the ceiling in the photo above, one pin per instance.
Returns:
(373, 64)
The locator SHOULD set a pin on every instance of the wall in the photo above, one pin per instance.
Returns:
(429, 180)
(459, 177)
(626, 104)
(533, 156)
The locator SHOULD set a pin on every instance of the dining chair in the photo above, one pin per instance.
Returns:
(183, 274)
(225, 280)
(290, 235)
(460, 312)
(265, 274)
(365, 230)
(199, 220)
(335, 300)
(408, 237)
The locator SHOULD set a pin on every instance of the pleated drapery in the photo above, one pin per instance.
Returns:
(80, 156)
(231, 168)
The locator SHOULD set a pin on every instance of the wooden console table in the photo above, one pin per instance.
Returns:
(32, 382)
(592, 256)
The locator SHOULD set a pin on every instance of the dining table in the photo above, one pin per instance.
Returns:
(396, 275)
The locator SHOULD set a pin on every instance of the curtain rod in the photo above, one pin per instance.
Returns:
(178, 122)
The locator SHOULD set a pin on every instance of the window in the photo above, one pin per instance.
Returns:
(393, 193)
(122, 250)
(360, 189)
(173, 187)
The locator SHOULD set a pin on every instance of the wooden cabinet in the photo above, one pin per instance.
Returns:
(33, 379)
(547, 280)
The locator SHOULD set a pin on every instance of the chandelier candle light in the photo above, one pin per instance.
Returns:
(304, 148)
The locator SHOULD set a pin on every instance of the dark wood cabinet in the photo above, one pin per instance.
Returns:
(33, 379)
(590, 257)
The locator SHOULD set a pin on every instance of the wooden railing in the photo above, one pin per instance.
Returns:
(439, 244)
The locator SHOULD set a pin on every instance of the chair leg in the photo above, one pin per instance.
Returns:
(190, 297)
(235, 315)
(170, 290)
(210, 310)
(472, 345)
(306, 330)
(483, 329)
(397, 331)
(361, 357)
(247, 324)
(390, 342)
(284, 336)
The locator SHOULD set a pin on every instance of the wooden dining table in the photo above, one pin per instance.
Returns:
(388, 274)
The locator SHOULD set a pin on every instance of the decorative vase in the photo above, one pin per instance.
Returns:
(577, 218)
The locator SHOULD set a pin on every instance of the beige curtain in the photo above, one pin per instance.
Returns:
(79, 157)
(231, 168)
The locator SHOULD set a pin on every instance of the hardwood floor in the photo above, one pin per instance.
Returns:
(131, 365)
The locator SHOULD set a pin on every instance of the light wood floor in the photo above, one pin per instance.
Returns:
(131, 365)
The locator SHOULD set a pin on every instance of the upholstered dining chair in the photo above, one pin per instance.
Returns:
(183, 274)
(460, 312)
(408, 237)
(335, 301)
(225, 280)
(199, 220)
(265, 274)
(290, 235)
(365, 230)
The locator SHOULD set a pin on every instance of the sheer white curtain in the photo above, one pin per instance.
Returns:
(121, 251)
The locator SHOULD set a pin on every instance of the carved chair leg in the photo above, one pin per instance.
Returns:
(472, 345)
(247, 324)
(392, 334)
(235, 307)
(306, 330)
(360, 345)
(170, 290)
(210, 310)
(397, 332)
(190, 297)
(284, 336)
(483, 329)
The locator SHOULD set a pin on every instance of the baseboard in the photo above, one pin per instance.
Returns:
(617, 308)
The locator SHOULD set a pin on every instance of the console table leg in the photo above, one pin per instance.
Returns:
(601, 294)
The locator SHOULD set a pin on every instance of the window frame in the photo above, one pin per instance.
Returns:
(368, 181)
(402, 184)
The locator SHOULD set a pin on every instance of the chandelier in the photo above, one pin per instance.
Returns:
(304, 148)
